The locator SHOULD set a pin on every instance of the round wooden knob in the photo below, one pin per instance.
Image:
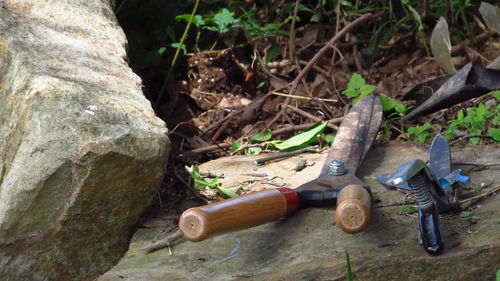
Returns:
(353, 209)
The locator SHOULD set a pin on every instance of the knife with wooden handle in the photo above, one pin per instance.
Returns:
(336, 185)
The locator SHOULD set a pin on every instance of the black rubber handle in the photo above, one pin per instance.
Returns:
(318, 198)
(430, 232)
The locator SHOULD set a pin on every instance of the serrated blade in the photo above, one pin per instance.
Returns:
(440, 157)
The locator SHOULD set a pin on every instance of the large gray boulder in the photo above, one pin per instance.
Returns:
(81, 152)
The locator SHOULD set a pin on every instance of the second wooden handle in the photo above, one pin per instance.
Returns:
(353, 208)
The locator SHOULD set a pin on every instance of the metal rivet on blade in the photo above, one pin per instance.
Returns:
(336, 168)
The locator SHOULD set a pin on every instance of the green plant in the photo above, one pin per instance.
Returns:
(405, 209)
(299, 141)
(348, 266)
(200, 182)
(421, 133)
(475, 122)
(399, 112)
(357, 88)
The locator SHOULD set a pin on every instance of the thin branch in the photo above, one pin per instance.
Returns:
(327, 46)
(470, 136)
(281, 155)
(163, 243)
(310, 116)
(481, 196)
(302, 97)
(205, 149)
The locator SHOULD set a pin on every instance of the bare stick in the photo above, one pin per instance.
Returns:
(327, 46)
(302, 97)
(481, 196)
(470, 136)
(163, 243)
(205, 149)
(312, 117)
(314, 60)
(281, 155)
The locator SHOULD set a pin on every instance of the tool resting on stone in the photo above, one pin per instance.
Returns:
(336, 184)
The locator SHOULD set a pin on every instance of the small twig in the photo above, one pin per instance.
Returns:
(302, 97)
(218, 123)
(475, 164)
(205, 149)
(327, 46)
(281, 155)
(220, 130)
(291, 46)
(470, 136)
(314, 60)
(481, 196)
(167, 242)
(312, 117)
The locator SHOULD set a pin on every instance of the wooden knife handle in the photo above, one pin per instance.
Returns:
(353, 208)
(200, 223)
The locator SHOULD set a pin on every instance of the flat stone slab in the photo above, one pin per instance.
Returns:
(308, 246)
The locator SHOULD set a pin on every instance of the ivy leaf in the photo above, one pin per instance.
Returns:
(303, 139)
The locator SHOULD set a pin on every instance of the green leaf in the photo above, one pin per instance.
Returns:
(225, 192)
(303, 139)
(200, 182)
(197, 19)
(273, 53)
(495, 133)
(315, 18)
(401, 108)
(329, 138)
(465, 214)
(367, 89)
(260, 137)
(235, 146)
(176, 45)
(351, 92)
(405, 209)
(356, 82)
(358, 98)
(161, 50)
(496, 94)
(387, 103)
(253, 150)
(224, 20)
(348, 266)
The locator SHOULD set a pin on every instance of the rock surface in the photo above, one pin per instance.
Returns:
(308, 246)
(81, 151)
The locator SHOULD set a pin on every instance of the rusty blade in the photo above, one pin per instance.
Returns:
(355, 135)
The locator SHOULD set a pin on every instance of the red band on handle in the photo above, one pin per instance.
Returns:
(292, 199)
